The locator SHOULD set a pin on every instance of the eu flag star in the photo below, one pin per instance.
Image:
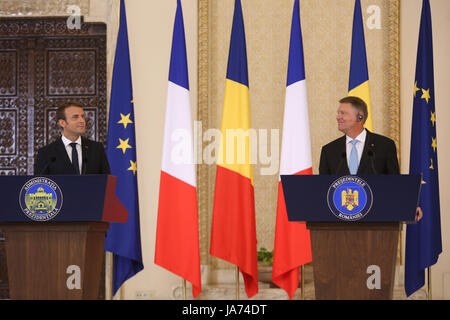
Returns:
(415, 88)
(426, 94)
(133, 167)
(433, 117)
(125, 120)
(123, 145)
(433, 144)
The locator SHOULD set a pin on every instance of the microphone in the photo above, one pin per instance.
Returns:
(371, 155)
(52, 159)
(343, 156)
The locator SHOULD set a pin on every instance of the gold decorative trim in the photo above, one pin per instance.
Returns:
(394, 91)
(394, 73)
(203, 117)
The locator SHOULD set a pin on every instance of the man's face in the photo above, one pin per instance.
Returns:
(75, 123)
(347, 118)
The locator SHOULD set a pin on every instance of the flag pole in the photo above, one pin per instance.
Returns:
(184, 289)
(108, 276)
(302, 268)
(121, 292)
(237, 283)
(429, 284)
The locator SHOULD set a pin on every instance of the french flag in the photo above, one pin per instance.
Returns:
(292, 247)
(177, 239)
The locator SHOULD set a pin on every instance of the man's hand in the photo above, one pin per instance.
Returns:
(419, 214)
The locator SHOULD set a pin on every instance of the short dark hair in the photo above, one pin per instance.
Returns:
(60, 112)
(358, 104)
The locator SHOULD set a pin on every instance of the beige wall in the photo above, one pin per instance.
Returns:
(410, 19)
(150, 26)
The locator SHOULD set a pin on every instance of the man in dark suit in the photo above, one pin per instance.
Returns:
(376, 154)
(71, 154)
(359, 151)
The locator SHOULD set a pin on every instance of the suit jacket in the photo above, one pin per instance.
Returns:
(53, 159)
(379, 156)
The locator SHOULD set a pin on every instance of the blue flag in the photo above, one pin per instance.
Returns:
(358, 82)
(423, 239)
(123, 239)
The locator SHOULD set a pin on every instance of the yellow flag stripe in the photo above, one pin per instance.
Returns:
(237, 135)
(363, 91)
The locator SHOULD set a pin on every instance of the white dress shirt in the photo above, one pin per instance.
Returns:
(361, 139)
(67, 143)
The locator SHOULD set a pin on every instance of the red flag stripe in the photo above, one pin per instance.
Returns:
(294, 246)
(233, 231)
(178, 220)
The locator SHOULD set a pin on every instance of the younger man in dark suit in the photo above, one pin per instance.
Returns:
(71, 154)
(359, 151)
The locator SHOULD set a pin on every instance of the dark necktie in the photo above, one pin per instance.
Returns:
(75, 157)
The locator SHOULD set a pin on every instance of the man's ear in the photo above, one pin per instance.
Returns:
(62, 123)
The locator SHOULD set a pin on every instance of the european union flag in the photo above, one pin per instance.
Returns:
(123, 239)
(423, 239)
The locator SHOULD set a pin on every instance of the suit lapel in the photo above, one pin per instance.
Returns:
(84, 151)
(364, 164)
(343, 151)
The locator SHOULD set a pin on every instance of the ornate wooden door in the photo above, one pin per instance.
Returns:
(42, 65)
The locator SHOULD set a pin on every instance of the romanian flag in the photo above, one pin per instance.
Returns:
(233, 232)
(423, 239)
(292, 240)
(358, 84)
(123, 239)
(177, 242)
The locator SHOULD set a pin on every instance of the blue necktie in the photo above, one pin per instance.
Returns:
(75, 157)
(353, 158)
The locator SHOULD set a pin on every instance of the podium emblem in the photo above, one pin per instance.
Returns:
(40, 199)
(349, 198)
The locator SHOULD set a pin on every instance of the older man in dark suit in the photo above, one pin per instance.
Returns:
(359, 151)
(375, 154)
(72, 154)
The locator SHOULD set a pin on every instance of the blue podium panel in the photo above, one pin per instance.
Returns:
(365, 198)
(53, 198)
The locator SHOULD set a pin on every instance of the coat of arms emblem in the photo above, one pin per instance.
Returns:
(349, 199)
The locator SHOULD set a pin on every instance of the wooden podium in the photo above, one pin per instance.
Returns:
(353, 258)
(342, 254)
(60, 258)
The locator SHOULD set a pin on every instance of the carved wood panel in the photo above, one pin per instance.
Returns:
(43, 64)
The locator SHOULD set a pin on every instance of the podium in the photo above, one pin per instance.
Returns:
(54, 229)
(354, 223)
